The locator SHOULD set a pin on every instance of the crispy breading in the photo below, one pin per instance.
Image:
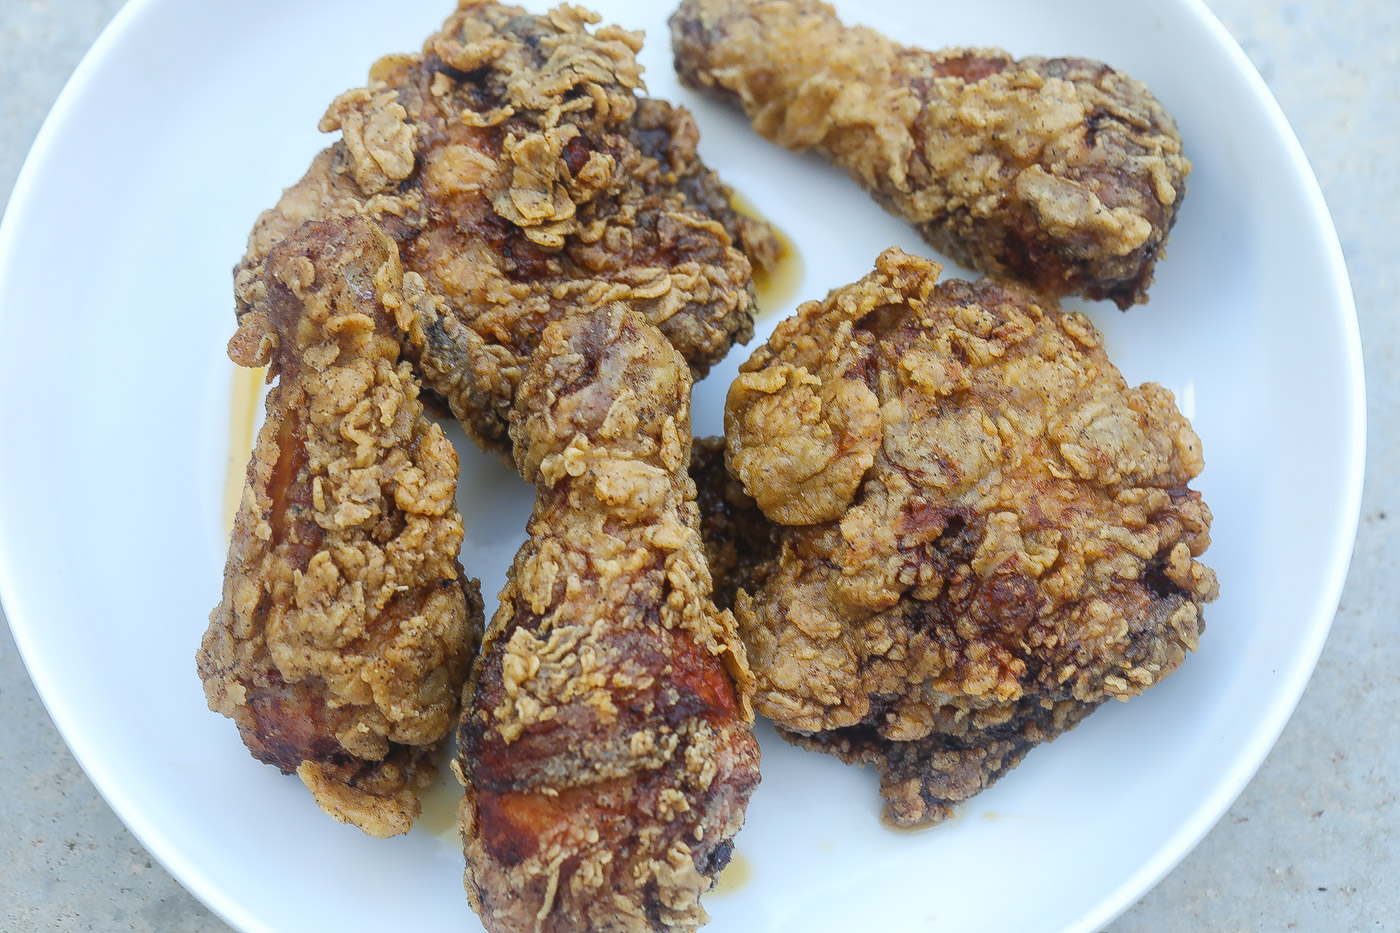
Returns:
(347, 625)
(1061, 172)
(606, 750)
(977, 522)
(524, 179)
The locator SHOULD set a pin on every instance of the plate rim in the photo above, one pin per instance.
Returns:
(146, 830)
(1209, 809)
(1247, 762)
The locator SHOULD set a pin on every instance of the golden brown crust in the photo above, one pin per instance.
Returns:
(346, 625)
(606, 751)
(1060, 172)
(1024, 532)
(524, 179)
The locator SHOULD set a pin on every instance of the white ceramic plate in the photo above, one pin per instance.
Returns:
(186, 119)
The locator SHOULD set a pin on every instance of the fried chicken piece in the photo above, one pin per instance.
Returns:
(982, 531)
(347, 625)
(524, 179)
(920, 779)
(605, 747)
(1060, 172)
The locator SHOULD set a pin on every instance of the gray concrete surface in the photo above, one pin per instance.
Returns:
(1313, 843)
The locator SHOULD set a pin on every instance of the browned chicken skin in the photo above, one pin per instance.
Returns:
(1060, 172)
(606, 752)
(346, 626)
(978, 531)
(523, 178)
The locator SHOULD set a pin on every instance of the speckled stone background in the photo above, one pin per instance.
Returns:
(1313, 843)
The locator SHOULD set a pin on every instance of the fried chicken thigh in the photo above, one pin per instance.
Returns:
(346, 626)
(524, 178)
(1060, 172)
(978, 531)
(606, 751)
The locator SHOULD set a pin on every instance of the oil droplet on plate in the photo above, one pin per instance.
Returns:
(778, 286)
(992, 816)
(736, 875)
(243, 410)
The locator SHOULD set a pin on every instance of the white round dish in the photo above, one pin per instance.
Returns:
(185, 120)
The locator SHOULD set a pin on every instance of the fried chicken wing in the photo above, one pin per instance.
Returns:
(981, 530)
(604, 745)
(1060, 172)
(524, 178)
(347, 625)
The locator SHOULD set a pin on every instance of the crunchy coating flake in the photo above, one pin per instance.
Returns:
(1024, 536)
(605, 747)
(1060, 172)
(524, 179)
(347, 625)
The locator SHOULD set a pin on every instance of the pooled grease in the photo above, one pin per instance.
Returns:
(735, 876)
(777, 287)
(439, 816)
(244, 396)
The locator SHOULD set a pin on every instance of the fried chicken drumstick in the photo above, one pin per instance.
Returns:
(1060, 172)
(977, 530)
(523, 178)
(606, 752)
(347, 625)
